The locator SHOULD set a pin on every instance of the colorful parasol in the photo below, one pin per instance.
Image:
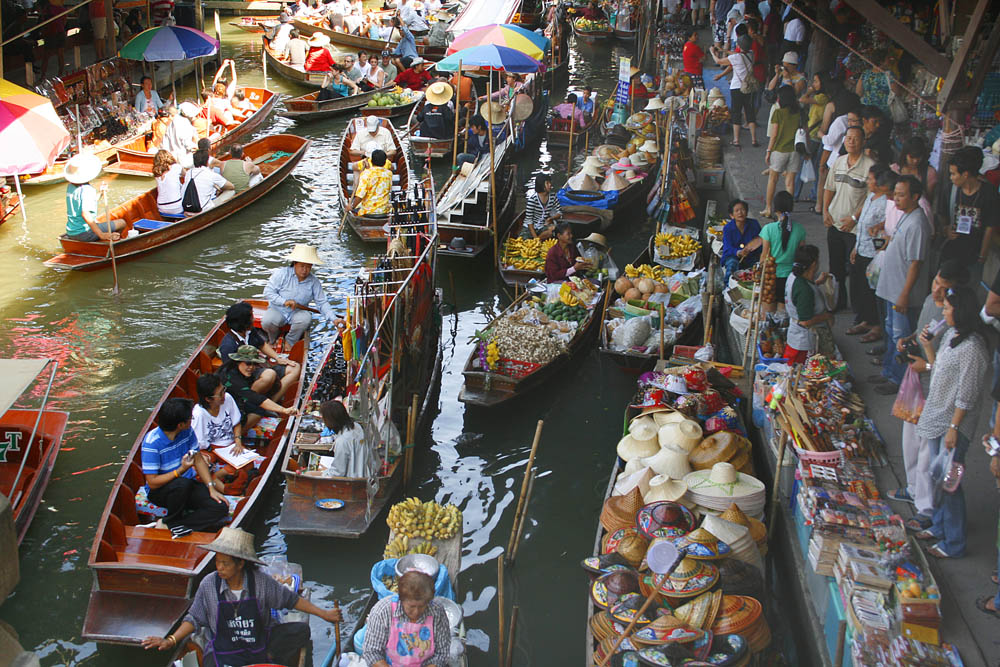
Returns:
(503, 34)
(490, 56)
(30, 131)
(169, 42)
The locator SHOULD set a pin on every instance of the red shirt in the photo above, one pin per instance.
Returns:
(319, 60)
(693, 55)
(556, 264)
(412, 79)
(759, 67)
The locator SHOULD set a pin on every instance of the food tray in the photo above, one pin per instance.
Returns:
(514, 368)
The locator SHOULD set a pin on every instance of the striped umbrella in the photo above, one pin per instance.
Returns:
(169, 42)
(490, 56)
(502, 34)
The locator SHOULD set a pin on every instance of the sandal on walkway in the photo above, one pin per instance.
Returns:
(871, 337)
(981, 606)
(902, 495)
(937, 551)
(926, 534)
(917, 524)
(858, 329)
(734, 143)
(755, 143)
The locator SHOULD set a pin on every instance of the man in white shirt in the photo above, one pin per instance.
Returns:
(374, 132)
(212, 188)
(180, 138)
(282, 35)
(794, 38)
(411, 18)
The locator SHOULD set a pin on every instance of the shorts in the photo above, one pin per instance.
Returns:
(784, 163)
(795, 356)
(406, 60)
(258, 370)
(720, 32)
(699, 4)
(99, 24)
(742, 104)
(89, 236)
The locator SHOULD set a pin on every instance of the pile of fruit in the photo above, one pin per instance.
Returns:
(647, 271)
(524, 336)
(428, 520)
(400, 546)
(396, 98)
(563, 313)
(390, 583)
(675, 246)
(639, 289)
(526, 254)
(587, 25)
(678, 84)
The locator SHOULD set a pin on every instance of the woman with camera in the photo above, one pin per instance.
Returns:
(958, 371)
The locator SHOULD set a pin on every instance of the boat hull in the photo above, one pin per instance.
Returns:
(37, 471)
(357, 42)
(306, 108)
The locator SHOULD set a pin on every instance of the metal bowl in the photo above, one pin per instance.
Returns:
(452, 610)
(419, 562)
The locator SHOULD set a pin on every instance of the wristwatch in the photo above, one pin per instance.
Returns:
(954, 426)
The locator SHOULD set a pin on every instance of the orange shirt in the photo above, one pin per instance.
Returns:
(464, 87)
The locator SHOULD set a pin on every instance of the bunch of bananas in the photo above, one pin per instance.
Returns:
(492, 354)
(526, 254)
(428, 520)
(678, 245)
(566, 295)
(399, 546)
(390, 583)
(647, 271)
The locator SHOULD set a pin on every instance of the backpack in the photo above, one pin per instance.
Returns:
(750, 83)
(191, 202)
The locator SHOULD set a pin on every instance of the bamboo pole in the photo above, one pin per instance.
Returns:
(628, 630)
(524, 483)
(458, 111)
(519, 528)
(661, 332)
(407, 448)
(493, 182)
(501, 645)
(218, 36)
(513, 630)
(111, 243)
(708, 319)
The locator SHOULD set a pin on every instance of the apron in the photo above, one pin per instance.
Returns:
(410, 644)
(241, 629)
(810, 340)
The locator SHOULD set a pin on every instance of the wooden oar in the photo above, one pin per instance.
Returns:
(524, 489)
(111, 243)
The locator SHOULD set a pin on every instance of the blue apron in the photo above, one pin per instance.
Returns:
(241, 629)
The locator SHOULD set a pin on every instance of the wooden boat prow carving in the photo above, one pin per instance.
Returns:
(143, 579)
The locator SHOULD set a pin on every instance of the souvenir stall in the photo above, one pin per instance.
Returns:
(95, 105)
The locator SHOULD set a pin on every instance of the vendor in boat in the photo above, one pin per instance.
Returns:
(542, 210)
(181, 138)
(178, 480)
(319, 58)
(585, 101)
(352, 457)
(289, 292)
(738, 247)
(406, 49)
(438, 33)
(272, 380)
(233, 606)
(569, 108)
(237, 375)
(476, 143)
(563, 259)
(371, 196)
(414, 77)
(437, 120)
(296, 50)
(508, 91)
(409, 628)
(336, 85)
(641, 84)
(374, 131)
(82, 201)
(593, 12)
(148, 100)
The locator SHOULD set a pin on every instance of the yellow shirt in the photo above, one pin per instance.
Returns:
(374, 186)
(816, 110)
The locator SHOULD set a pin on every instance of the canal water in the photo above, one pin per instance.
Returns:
(118, 353)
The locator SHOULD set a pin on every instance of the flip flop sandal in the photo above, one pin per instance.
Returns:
(755, 144)
(916, 525)
(937, 551)
(926, 535)
(870, 338)
(981, 606)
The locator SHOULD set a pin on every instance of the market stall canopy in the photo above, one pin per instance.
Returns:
(31, 133)
(169, 42)
(503, 34)
(18, 375)
(490, 56)
(479, 13)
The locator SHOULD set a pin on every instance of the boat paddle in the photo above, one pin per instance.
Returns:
(111, 240)
(334, 652)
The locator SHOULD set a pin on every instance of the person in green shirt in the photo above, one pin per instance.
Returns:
(240, 171)
(781, 156)
(780, 240)
(82, 200)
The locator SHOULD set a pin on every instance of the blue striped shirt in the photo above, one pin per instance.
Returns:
(160, 454)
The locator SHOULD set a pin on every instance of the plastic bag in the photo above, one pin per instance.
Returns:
(631, 334)
(387, 568)
(910, 399)
(807, 174)
(939, 467)
(875, 268)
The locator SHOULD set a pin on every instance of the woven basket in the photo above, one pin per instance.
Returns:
(709, 151)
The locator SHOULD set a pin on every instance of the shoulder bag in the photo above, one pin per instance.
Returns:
(750, 84)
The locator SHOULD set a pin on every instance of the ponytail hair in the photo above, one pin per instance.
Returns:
(782, 204)
(965, 307)
(805, 256)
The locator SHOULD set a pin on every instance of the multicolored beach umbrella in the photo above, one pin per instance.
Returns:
(490, 56)
(30, 131)
(169, 42)
(503, 34)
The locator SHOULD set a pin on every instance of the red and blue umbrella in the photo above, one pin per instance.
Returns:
(490, 56)
(169, 42)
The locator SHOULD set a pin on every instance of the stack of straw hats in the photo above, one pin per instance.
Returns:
(758, 531)
(722, 446)
(701, 611)
(743, 615)
(700, 544)
(716, 489)
(620, 511)
(742, 545)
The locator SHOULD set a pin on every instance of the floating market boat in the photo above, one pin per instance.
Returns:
(489, 383)
(465, 213)
(307, 107)
(276, 155)
(558, 131)
(396, 299)
(599, 33)
(517, 269)
(294, 73)
(404, 108)
(437, 148)
(136, 157)
(29, 439)
(255, 24)
(144, 578)
(361, 43)
(371, 228)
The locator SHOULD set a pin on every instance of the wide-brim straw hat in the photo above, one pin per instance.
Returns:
(584, 182)
(690, 578)
(318, 39)
(596, 239)
(715, 93)
(234, 542)
(654, 104)
(666, 629)
(670, 462)
(664, 519)
(635, 480)
(304, 253)
(649, 146)
(638, 159)
(702, 545)
(683, 435)
(620, 511)
(493, 112)
(632, 177)
(82, 168)
(439, 92)
(608, 152)
(594, 161)
(701, 611)
(643, 427)
(624, 164)
(723, 485)
(614, 182)
(738, 614)
(718, 447)
(661, 487)
(593, 171)
(630, 447)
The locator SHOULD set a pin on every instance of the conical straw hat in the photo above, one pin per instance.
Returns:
(630, 448)
(614, 182)
(661, 487)
(670, 462)
(234, 542)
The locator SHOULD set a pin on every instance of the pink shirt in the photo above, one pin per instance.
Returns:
(893, 215)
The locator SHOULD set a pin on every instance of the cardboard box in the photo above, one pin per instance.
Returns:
(710, 178)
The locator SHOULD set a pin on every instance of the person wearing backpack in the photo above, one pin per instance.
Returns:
(743, 86)
(204, 188)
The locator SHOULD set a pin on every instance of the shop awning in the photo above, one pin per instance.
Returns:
(479, 13)
(19, 374)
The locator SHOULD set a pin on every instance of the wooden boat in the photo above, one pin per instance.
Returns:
(29, 439)
(488, 388)
(467, 230)
(436, 148)
(291, 72)
(143, 579)
(591, 641)
(254, 24)
(625, 35)
(398, 111)
(636, 361)
(370, 228)
(136, 157)
(10, 206)
(306, 107)
(579, 220)
(411, 302)
(361, 43)
(276, 155)
(558, 134)
(592, 36)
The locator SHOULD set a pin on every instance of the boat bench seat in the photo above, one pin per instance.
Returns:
(147, 225)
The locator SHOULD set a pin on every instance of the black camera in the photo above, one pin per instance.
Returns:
(910, 347)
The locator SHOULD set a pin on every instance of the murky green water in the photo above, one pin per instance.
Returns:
(118, 353)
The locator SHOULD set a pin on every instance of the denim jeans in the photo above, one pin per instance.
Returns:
(949, 514)
(897, 325)
(731, 264)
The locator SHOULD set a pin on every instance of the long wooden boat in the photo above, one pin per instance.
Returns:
(579, 220)
(370, 228)
(591, 641)
(467, 231)
(307, 108)
(436, 148)
(294, 73)
(625, 35)
(254, 24)
(136, 157)
(397, 303)
(144, 579)
(592, 36)
(361, 43)
(55, 174)
(487, 388)
(558, 134)
(276, 155)
(30, 439)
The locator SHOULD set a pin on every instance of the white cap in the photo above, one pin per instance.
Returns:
(372, 123)
(188, 109)
(790, 57)
(417, 61)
